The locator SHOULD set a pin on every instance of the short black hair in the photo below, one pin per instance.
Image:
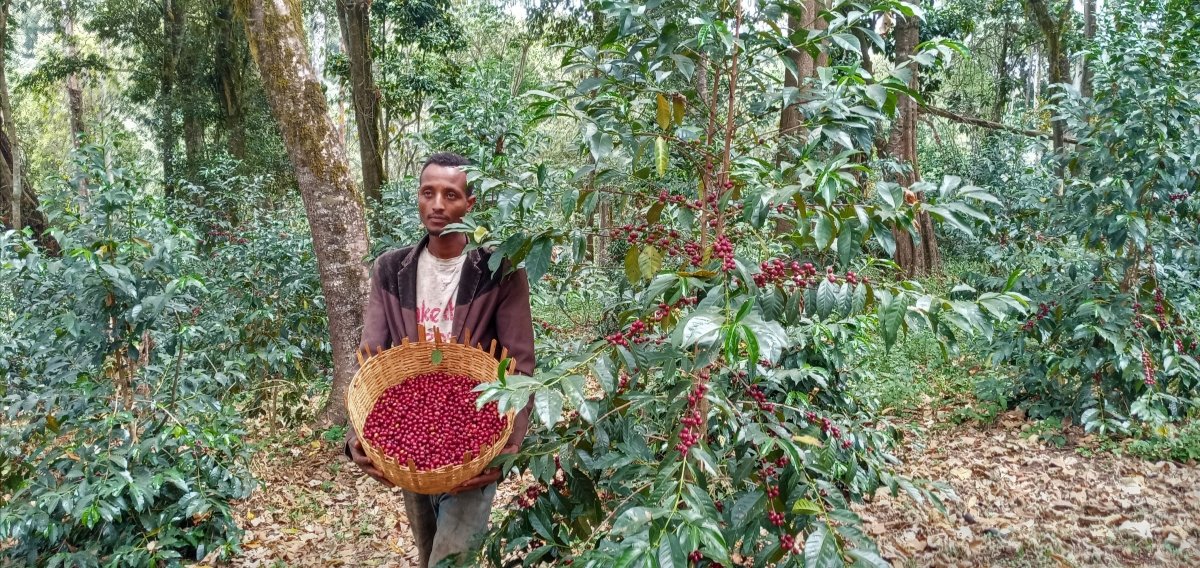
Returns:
(449, 160)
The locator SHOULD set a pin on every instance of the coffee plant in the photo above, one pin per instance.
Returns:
(1110, 260)
(715, 423)
(118, 450)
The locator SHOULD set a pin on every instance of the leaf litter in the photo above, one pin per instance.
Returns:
(1014, 501)
(1018, 501)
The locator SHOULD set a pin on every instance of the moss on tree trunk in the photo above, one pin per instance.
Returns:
(331, 198)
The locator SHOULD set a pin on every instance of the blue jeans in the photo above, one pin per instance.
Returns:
(444, 525)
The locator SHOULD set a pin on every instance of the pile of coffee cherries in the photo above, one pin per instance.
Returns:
(431, 420)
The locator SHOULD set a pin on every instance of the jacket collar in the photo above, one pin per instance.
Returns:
(472, 277)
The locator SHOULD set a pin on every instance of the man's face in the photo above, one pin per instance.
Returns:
(442, 198)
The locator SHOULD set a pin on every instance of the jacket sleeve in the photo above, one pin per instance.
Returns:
(514, 330)
(375, 333)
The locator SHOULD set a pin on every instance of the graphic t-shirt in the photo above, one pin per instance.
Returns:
(437, 287)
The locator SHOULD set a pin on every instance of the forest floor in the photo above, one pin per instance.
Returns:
(1018, 501)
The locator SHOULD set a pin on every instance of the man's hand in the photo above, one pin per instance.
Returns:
(359, 456)
(487, 477)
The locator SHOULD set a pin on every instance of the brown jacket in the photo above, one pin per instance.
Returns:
(490, 306)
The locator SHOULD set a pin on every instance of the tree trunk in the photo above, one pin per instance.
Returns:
(168, 131)
(12, 191)
(1002, 81)
(1056, 58)
(74, 90)
(353, 18)
(19, 205)
(789, 117)
(229, 65)
(915, 258)
(332, 201)
(193, 141)
(1089, 31)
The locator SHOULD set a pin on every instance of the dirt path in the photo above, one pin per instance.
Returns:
(1019, 503)
(1023, 503)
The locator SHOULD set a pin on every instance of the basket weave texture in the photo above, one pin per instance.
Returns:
(386, 368)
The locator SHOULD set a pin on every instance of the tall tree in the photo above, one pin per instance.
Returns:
(13, 178)
(353, 19)
(230, 64)
(805, 67)
(1089, 31)
(19, 205)
(172, 19)
(74, 89)
(1056, 57)
(331, 199)
(916, 258)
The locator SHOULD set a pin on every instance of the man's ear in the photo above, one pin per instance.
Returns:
(470, 202)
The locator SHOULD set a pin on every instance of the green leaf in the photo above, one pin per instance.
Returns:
(820, 550)
(633, 272)
(805, 507)
(846, 41)
(632, 520)
(538, 260)
(549, 405)
(436, 357)
(826, 298)
(868, 559)
(701, 328)
(891, 315)
(746, 507)
(950, 217)
(824, 230)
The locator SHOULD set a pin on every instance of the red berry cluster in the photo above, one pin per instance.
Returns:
(645, 233)
(788, 543)
(779, 271)
(723, 249)
(1176, 197)
(431, 420)
(1043, 311)
(527, 499)
(760, 398)
(636, 332)
(664, 309)
(692, 421)
(776, 518)
(1148, 369)
(622, 384)
(695, 557)
(830, 429)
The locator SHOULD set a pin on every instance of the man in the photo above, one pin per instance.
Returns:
(436, 284)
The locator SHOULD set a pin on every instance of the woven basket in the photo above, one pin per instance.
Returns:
(386, 368)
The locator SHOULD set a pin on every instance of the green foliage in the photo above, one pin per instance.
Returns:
(1182, 445)
(730, 373)
(1111, 259)
(262, 322)
(412, 43)
(117, 449)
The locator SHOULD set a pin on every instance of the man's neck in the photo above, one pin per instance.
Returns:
(447, 246)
